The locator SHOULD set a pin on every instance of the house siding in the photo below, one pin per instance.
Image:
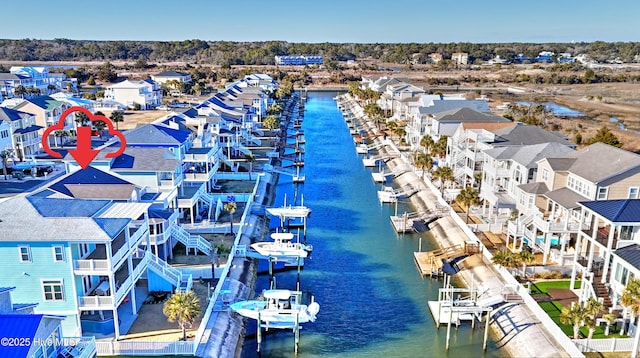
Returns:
(27, 277)
(620, 190)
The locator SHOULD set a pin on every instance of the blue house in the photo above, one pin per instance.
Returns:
(37, 335)
(80, 249)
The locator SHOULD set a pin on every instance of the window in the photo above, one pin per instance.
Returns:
(52, 290)
(545, 174)
(58, 253)
(25, 253)
(602, 193)
(633, 192)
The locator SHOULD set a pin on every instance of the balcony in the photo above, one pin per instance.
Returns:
(97, 262)
(555, 227)
(96, 302)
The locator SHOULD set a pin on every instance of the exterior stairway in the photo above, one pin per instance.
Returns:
(190, 241)
(602, 292)
(175, 277)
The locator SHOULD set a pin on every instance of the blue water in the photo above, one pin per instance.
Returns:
(557, 109)
(373, 302)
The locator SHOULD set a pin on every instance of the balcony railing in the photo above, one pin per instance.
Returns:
(78, 347)
(96, 302)
(91, 265)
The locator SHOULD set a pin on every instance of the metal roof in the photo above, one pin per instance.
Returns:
(617, 211)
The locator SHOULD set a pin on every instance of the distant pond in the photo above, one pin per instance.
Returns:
(556, 109)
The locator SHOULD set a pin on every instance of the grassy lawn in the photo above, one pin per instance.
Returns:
(553, 309)
(542, 287)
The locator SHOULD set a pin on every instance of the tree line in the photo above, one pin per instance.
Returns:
(263, 53)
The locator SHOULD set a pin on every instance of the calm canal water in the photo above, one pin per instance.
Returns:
(373, 302)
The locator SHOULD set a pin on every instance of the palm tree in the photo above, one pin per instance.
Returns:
(116, 116)
(61, 135)
(439, 148)
(231, 208)
(574, 316)
(426, 142)
(609, 318)
(5, 155)
(468, 196)
(505, 258)
(82, 119)
(526, 257)
(444, 174)
(592, 308)
(182, 307)
(423, 161)
(631, 300)
(250, 159)
(271, 122)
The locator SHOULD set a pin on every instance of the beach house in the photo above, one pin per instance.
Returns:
(607, 250)
(144, 94)
(549, 220)
(86, 255)
(37, 335)
(47, 111)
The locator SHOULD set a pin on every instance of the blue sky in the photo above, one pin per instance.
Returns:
(361, 21)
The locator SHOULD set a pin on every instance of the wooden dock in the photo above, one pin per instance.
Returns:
(430, 262)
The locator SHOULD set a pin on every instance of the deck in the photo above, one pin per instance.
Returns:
(430, 262)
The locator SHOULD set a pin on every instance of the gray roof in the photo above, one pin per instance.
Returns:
(523, 134)
(171, 74)
(459, 115)
(22, 222)
(566, 197)
(630, 254)
(603, 164)
(560, 164)
(440, 106)
(144, 159)
(534, 188)
(528, 155)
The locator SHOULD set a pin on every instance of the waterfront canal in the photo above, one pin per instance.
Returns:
(373, 302)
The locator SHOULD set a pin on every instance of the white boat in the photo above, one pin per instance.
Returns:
(362, 149)
(387, 195)
(282, 247)
(279, 309)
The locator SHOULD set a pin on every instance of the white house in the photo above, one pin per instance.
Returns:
(146, 94)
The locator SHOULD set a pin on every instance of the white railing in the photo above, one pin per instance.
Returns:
(148, 348)
(191, 241)
(91, 265)
(604, 345)
(97, 302)
(164, 269)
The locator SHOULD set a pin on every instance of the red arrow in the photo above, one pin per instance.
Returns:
(84, 154)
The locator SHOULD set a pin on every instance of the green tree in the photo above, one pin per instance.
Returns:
(117, 117)
(439, 148)
(19, 90)
(182, 307)
(81, 119)
(444, 174)
(605, 135)
(423, 161)
(505, 258)
(466, 197)
(5, 155)
(274, 109)
(575, 315)
(91, 81)
(526, 257)
(426, 142)
(610, 319)
(578, 138)
(271, 122)
(250, 158)
(231, 208)
(631, 300)
(592, 309)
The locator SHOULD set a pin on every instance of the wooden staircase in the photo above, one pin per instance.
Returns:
(603, 292)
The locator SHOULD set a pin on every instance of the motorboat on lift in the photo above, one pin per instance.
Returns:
(280, 308)
(282, 247)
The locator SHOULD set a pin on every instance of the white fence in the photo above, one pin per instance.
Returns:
(142, 348)
(604, 345)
